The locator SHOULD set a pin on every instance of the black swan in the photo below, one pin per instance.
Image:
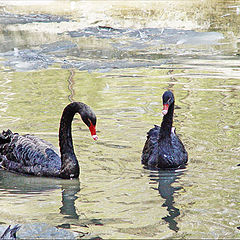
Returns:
(28, 154)
(163, 148)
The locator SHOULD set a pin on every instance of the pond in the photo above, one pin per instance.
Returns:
(119, 58)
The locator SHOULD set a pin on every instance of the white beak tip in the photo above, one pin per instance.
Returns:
(95, 137)
(164, 112)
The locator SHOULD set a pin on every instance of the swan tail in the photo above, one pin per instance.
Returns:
(5, 140)
(6, 136)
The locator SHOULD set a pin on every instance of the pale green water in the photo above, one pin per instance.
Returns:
(115, 196)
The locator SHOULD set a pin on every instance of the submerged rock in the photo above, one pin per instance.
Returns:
(10, 18)
(10, 232)
(39, 231)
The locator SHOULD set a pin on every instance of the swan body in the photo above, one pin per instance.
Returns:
(163, 148)
(28, 154)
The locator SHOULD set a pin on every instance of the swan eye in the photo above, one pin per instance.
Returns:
(91, 122)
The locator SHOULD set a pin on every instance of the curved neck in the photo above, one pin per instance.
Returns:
(69, 163)
(167, 122)
(65, 131)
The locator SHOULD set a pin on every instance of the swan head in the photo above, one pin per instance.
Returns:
(168, 99)
(89, 118)
(91, 123)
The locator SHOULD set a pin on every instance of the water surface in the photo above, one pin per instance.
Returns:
(121, 71)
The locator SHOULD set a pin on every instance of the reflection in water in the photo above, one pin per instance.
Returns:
(197, 64)
(70, 85)
(68, 200)
(166, 190)
(19, 184)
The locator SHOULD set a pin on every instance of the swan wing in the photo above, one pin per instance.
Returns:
(179, 149)
(29, 154)
(150, 150)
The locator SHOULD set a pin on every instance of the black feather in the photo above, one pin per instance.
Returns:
(28, 154)
(163, 148)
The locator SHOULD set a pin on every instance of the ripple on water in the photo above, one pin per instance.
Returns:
(121, 73)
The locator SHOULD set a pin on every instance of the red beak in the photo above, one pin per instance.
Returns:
(92, 130)
(165, 109)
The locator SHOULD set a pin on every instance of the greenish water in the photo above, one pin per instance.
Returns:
(115, 196)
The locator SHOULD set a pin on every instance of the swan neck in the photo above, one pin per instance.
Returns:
(167, 122)
(69, 163)
(65, 132)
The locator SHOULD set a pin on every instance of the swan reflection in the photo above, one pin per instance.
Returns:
(11, 183)
(69, 196)
(165, 179)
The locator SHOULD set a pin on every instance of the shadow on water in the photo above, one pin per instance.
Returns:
(18, 184)
(165, 179)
